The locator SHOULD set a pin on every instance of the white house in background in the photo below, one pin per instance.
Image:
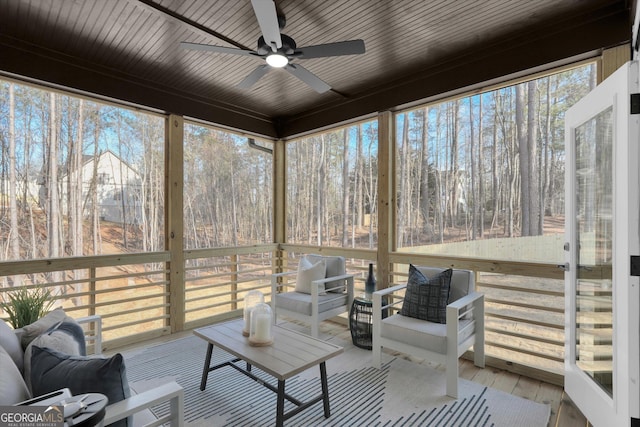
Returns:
(117, 185)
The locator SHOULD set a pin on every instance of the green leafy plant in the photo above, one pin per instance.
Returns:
(25, 306)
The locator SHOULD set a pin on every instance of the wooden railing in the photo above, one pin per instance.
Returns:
(524, 301)
(129, 291)
(216, 281)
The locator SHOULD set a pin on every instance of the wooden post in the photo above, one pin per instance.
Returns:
(386, 197)
(174, 223)
(234, 282)
(279, 201)
(92, 291)
(612, 59)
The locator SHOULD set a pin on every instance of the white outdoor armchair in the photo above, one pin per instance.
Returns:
(439, 342)
(326, 295)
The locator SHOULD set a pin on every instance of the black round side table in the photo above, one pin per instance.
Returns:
(91, 410)
(361, 322)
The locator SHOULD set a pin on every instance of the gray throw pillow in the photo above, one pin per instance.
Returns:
(51, 370)
(64, 337)
(425, 298)
(33, 330)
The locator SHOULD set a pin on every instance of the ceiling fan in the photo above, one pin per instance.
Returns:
(278, 50)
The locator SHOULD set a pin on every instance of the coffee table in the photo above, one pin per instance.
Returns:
(290, 354)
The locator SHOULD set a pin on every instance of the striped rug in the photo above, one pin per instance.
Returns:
(402, 393)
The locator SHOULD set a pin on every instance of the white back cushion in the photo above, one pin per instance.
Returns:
(308, 272)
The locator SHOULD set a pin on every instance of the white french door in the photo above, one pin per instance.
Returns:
(602, 298)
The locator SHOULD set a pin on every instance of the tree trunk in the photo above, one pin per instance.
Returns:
(532, 147)
(481, 201)
(320, 191)
(346, 185)
(358, 199)
(424, 167)
(472, 160)
(14, 226)
(403, 190)
(523, 151)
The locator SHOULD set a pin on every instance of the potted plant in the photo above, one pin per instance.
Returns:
(25, 306)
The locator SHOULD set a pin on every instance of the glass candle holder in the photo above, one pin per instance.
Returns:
(252, 299)
(261, 325)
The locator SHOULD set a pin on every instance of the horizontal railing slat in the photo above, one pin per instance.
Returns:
(525, 326)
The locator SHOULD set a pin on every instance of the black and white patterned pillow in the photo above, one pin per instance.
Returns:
(426, 298)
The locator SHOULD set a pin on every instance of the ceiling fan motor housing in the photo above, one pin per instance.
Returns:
(288, 46)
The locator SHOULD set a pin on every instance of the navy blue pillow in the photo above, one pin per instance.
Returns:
(52, 370)
(426, 298)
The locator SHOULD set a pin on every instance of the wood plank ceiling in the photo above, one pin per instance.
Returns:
(129, 49)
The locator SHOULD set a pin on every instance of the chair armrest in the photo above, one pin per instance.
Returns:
(455, 311)
(316, 284)
(392, 289)
(378, 308)
(96, 338)
(348, 277)
(332, 278)
(377, 297)
(170, 392)
(466, 300)
(275, 284)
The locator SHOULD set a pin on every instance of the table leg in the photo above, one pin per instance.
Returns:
(205, 371)
(325, 389)
(280, 404)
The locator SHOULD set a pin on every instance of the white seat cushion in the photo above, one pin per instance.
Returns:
(420, 333)
(301, 303)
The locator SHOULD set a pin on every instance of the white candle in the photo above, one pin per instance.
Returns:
(262, 327)
(247, 319)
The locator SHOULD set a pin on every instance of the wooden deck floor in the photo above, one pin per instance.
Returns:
(563, 411)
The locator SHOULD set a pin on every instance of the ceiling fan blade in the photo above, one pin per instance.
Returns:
(265, 11)
(350, 47)
(308, 77)
(218, 49)
(254, 76)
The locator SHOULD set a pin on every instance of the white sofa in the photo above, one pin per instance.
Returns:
(13, 389)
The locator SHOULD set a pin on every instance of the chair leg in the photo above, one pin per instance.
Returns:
(452, 376)
(478, 351)
(315, 329)
(376, 348)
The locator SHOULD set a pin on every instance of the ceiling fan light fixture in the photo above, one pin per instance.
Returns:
(277, 60)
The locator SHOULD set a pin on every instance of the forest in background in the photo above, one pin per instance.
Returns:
(483, 166)
(477, 167)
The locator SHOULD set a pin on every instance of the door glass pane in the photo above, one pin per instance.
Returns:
(594, 228)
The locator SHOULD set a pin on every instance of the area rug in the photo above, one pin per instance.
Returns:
(402, 393)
